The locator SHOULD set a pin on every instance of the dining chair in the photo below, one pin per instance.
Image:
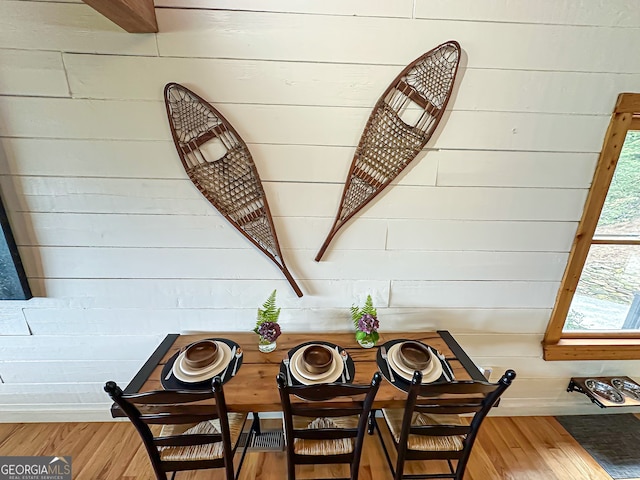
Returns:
(430, 428)
(317, 431)
(193, 436)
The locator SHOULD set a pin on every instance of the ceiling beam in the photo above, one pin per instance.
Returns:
(135, 16)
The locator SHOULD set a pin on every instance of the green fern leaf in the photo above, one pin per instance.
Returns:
(357, 312)
(268, 312)
(355, 315)
(369, 308)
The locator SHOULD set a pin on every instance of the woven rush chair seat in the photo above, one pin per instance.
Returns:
(418, 442)
(207, 451)
(324, 447)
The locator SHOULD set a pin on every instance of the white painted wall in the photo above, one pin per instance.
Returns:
(121, 249)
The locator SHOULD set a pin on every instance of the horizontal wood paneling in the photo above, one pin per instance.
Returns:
(12, 322)
(187, 231)
(509, 169)
(473, 294)
(66, 27)
(466, 320)
(619, 13)
(64, 371)
(303, 37)
(375, 8)
(229, 80)
(111, 321)
(52, 395)
(204, 231)
(420, 265)
(32, 73)
(478, 345)
(84, 119)
(334, 126)
(158, 159)
(89, 195)
(78, 348)
(535, 367)
(463, 203)
(616, 13)
(151, 263)
(480, 235)
(47, 412)
(190, 293)
(331, 84)
(90, 158)
(296, 163)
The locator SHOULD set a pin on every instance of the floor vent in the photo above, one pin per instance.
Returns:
(267, 441)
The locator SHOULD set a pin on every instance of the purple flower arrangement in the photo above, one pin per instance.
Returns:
(365, 321)
(270, 331)
(267, 324)
(368, 324)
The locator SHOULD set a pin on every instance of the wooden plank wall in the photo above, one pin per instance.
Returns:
(121, 249)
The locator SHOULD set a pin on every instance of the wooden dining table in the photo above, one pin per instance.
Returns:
(254, 388)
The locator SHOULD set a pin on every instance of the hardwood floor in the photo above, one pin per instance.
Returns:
(514, 448)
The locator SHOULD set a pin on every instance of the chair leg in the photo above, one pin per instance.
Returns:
(255, 426)
(372, 421)
(246, 446)
(384, 446)
(247, 442)
(173, 476)
(291, 469)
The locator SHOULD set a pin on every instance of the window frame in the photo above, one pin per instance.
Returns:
(559, 345)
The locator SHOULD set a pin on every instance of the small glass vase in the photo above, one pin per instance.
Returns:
(366, 342)
(266, 346)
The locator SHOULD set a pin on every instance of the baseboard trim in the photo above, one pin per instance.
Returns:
(101, 413)
(46, 414)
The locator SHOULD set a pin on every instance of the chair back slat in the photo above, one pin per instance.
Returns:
(440, 430)
(325, 433)
(304, 411)
(448, 409)
(327, 391)
(188, 440)
(174, 419)
(455, 388)
(180, 409)
(165, 397)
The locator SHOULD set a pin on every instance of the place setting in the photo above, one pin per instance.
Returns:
(313, 363)
(399, 359)
(194, 366)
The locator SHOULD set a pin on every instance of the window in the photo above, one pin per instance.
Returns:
(597, 310)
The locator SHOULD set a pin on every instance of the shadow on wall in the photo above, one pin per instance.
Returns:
(13, 279)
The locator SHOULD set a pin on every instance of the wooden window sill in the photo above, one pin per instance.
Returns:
(593, 349)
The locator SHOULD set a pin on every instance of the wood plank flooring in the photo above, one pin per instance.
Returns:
(509, 448)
